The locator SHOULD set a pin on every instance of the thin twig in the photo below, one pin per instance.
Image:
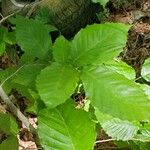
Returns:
(106, 148)
(104, 141)
(11, 76)
(5, 18)
(18, 71)
(33, 6)
(140, 140)
(109, 140)
(1, 15)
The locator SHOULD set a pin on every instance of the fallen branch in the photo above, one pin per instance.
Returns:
(14, 110)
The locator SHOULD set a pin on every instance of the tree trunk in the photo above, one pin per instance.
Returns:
(69, 16)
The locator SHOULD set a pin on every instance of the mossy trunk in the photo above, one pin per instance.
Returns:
(69, 16)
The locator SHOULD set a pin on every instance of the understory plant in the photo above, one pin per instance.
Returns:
(49, 74)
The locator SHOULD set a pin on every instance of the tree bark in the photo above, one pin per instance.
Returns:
(69, 16)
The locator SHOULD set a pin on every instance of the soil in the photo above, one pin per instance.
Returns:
(137, 49)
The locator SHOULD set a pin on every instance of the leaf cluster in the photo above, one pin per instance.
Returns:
(49, 73)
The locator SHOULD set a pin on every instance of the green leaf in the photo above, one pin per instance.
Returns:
(56, 83)
(66, 128)
(122, 144)
(144, 146)
(8, 124)
(61, 50)
(120, 130)
(27, 74)
(116, 128)
(2, 33)
(114, 94)
(2, 47)
(146, 75)
(122, 68)
(43, 15)
(21, 89)
(5, 37)
(10, 38)
(136, 145)
(6, 78)
(146, 133)
(22, 79)
(98, 43)
(11, 143)
(33, 37)
(102, 117)
(102, 2)
(2, 43)
(146, 70)
(37, 103)
(146, 89)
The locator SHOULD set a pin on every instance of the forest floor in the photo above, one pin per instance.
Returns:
(135, 13)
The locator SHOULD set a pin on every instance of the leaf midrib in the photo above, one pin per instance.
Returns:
(66, 129)
(86, 51)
